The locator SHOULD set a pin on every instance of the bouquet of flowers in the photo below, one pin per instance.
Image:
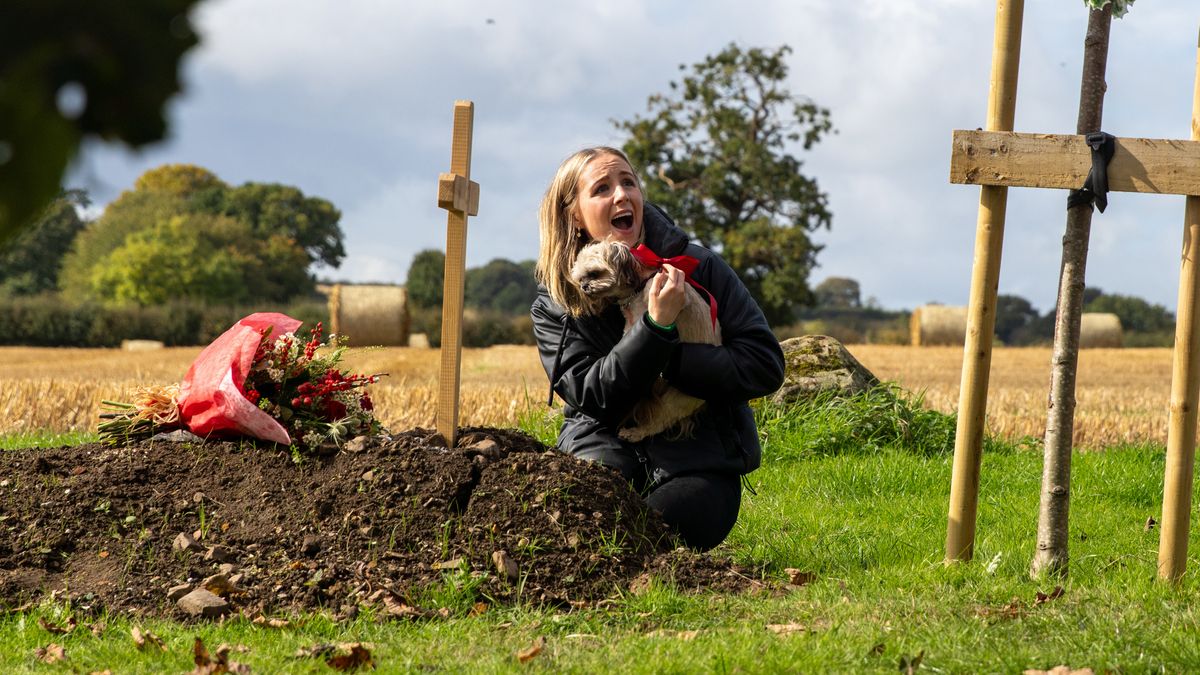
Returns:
(258, 379)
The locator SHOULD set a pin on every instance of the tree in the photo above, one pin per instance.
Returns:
(716, 155)
(501, 285)
(273, 209)
(1137, 315)
(1051, 554)
(840, 292)
(426, 278)
(1014, 315)
(271, 233)
(73, 70)
(30, 262)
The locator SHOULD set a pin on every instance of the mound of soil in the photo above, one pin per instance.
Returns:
(212, 528)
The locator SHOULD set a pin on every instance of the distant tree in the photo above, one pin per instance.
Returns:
(716, 154)
(282, 209)
(73, 70)
(501, 285)
(280, 234)
(840, 292)
(31, 261)
(426, 275)
(1014, 316)
(1136, 314)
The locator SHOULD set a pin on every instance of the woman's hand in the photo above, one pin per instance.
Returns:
(667, 295)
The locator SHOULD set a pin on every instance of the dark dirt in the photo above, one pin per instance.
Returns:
(380, 524)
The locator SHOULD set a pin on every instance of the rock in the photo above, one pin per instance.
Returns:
(311, 545)
(203, 603)
(818, 363)
(176, 592)
(218, 584)
(185, 542)
(177, 436)
(356, 444)
(227, 568)
(486, 448)
(505, 565)
(218, 554)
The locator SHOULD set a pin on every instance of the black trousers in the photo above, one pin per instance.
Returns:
(700, 507)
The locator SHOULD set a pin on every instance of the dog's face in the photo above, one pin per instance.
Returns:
(606, 269)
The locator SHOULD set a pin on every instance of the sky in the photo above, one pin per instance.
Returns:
(352, 101)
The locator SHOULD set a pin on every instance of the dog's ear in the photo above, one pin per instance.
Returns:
(625, 266)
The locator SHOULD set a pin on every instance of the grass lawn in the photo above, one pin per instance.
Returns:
(854, 494)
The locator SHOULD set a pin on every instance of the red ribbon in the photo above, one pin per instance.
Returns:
(686, 263)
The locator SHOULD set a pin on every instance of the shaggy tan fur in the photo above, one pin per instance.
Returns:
(609, 270)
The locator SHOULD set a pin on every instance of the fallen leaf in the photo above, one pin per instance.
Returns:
(103, 554)
(358, 656)
(215, 664)
(141, 638)
(57, 630)
(525, 655)
(51, 653)
(315, 651)
(1150, 523)
(261, 620)
(799, 577)
(877, 650)
(398, 609)
(1055, 594)
(786, 628)
(1059, 670)
(98, 628)
(478, 608)
(909, 665)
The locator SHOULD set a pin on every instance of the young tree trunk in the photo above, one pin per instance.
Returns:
(1051, 554)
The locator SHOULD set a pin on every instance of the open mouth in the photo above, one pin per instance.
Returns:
(623, 222)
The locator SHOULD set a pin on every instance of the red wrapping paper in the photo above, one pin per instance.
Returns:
(212, 398)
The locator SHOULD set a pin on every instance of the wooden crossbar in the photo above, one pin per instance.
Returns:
(1011, 159)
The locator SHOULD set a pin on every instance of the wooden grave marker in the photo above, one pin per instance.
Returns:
(459, 195)
(996, 159)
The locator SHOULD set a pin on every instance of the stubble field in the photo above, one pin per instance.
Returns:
(1122, 394)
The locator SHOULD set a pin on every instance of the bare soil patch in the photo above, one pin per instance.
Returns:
(238, 528)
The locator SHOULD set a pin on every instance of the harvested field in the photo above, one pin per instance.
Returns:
(1122, 394)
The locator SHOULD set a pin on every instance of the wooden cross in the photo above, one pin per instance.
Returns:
(459, 195)
(997, 159)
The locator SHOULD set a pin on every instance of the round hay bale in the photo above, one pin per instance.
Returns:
(140, 345)
(932, 325)
(1099, 330)
(370, 314)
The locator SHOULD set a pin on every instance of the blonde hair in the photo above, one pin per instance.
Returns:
(561, 240)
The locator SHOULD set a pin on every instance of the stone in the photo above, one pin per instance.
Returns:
(176, 592)
(203, 603)
(819, 363)
(505, 565)
(177, 436)
(310, 546)
(356, 444)
(218, 584)
(218, 554)
(185, 542)
(227, 568)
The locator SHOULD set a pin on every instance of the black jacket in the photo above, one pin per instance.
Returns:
(600, 373)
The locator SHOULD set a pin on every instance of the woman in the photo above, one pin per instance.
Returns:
(600, 371)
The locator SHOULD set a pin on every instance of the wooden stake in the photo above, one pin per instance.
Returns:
(981, 310)
(1185, 382)
(460, 197)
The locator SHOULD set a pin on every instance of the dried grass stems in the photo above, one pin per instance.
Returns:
(1122, 394)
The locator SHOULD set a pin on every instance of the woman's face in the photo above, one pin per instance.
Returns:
(609, 202)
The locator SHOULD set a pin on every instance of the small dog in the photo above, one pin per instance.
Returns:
(607, 269)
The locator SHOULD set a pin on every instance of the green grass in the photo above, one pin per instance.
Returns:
(46, 439)
(854, 492)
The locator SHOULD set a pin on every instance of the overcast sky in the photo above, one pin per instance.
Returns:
(352, 101)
